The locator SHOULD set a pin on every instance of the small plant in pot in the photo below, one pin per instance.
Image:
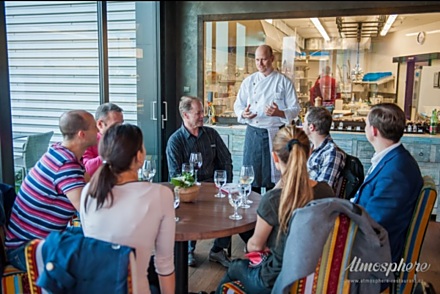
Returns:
(186, 186)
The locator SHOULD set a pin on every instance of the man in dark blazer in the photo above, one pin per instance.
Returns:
(393, 182)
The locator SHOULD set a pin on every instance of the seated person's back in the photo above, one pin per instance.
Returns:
(116, 207)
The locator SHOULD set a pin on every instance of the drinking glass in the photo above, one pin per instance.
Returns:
(246, 178)
(148, 170)
(235, 199)
(176, 204)
(196, 159)
(220, 181)
(188, 168)
(244, 194)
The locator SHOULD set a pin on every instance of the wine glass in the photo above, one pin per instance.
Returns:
(247, 176)
(188, 168)
(176, 203)
(244, 194)
(220, 181)
(235, 199)
(148, 170)
(196, 159)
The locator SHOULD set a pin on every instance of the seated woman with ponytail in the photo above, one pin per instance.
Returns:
(290, 151)
(116, 207)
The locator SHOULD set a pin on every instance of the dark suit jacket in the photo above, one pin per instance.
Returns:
(389, 195)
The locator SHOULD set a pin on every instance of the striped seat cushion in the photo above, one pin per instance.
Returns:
(15, 281)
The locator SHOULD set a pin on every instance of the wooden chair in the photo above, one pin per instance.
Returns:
(330, 275)
(415, 237)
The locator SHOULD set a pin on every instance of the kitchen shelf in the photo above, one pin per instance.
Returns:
(378, 82)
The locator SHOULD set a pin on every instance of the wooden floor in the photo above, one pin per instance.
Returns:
(206, 276)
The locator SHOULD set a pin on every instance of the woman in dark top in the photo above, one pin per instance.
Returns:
(290, 151)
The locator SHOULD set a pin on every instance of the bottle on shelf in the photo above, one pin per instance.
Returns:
(433, 125)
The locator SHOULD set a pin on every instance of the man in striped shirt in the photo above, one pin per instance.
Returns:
(50, 194)
(327, 160)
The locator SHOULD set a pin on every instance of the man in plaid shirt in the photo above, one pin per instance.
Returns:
(327, 159)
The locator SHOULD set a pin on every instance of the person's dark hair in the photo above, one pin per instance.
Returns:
(118, 147)
(292, 146)
(73, 121)
(321, 118)
(103, 110)
(389, 119)
(186, 103)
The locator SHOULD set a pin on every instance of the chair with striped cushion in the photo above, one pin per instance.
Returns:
(330, 275)
(415, 236)
(36, 265)
(13, 280)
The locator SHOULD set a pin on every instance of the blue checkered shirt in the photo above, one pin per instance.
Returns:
(326, 162)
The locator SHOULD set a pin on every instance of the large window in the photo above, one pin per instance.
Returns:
(355, 48)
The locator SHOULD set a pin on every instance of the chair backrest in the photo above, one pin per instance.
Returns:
(36, 145)
(96, 263)
(416, 234)
(351, 178)
(12, 280)
(330, 275)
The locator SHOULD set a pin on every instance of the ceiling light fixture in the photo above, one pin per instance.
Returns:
(388, 24)
(320, 28)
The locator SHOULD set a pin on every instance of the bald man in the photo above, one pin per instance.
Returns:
(50, 194)
(265, 102)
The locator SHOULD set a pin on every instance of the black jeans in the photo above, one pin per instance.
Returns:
(240, 270)
(222, 242)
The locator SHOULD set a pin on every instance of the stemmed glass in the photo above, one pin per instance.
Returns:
(176, 203)
(235, 199)
(188, 168)
(246, 178)
(244, 194)
(220, 181)
(196, 159)
(148, 170)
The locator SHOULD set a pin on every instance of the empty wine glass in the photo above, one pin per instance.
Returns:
(244, 194)
(196, 159)
(188, 168)
(148, 170)
(176, 204)
(246, 178)
(220, 181)
(235, 199)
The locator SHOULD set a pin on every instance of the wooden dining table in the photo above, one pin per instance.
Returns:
(207, 218)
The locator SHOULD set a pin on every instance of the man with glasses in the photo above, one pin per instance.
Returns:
(192, 136)
(106, 115)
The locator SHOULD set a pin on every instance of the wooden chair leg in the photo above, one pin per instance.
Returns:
(230, 248)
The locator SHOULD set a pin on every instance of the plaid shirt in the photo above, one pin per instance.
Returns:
(326, 162)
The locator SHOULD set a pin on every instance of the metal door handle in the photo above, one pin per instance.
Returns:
(153, 112)
(165, 112)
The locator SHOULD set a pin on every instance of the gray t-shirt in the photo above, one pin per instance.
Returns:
(268, 210)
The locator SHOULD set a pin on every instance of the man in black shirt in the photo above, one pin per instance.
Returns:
(192, 136)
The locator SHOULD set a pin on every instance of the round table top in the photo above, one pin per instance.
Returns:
(208, 216)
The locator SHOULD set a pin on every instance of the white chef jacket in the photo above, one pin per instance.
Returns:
(259, 91)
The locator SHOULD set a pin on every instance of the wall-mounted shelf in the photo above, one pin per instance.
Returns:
(378, 82)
